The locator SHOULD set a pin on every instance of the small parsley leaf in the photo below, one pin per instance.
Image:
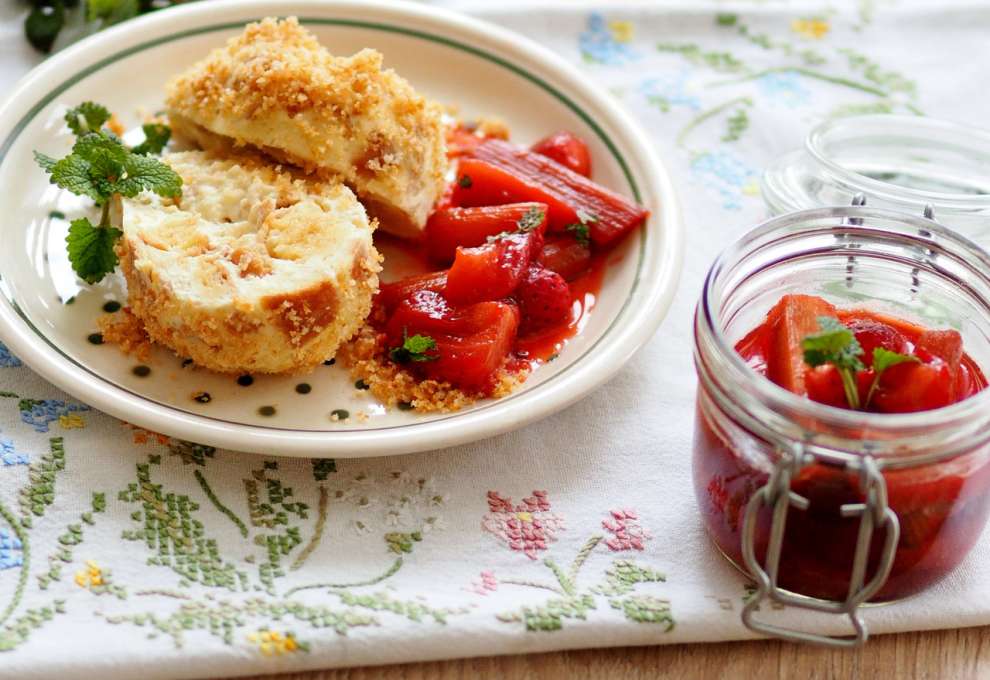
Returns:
(87, 117)
(91, 249)
(531, 219)
(581, 233)
(156, 136)
(414, 348)
(465, 182)
(837, 345)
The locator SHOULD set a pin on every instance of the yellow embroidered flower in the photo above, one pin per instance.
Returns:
(813, 28)
(71, 421)
(622, 31)
(91, 576)
(752, 188)
(274, 643)
(524, 516)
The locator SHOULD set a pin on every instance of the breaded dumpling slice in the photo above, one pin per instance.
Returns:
(276, 88)
(252, 270)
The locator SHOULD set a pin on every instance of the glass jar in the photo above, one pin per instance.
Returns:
(898, 162)
(829, 508)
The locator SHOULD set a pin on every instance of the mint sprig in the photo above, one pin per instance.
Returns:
(100, 167)
(414, 348)
(837, 345)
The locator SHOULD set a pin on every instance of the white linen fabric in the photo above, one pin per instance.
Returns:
(127, 554)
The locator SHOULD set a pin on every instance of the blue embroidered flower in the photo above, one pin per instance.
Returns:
(607, 42)
(7, 360)
(40, 413)
(11, 550)
(9, 455)
(669, 90)
(784, 87)
(726, 172)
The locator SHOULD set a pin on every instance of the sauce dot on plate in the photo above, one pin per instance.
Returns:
(202, 397)
(141, 371)
(405, 406)
(111, 306)
(95, 338)
(186, 362)
(266, 411)
(340, 414)
(304, 388)
(361, 385)
(245, 380)
(329, 362)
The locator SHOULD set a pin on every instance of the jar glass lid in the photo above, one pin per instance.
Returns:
(899, 162)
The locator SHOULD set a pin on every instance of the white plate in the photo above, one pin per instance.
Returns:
(481, 68)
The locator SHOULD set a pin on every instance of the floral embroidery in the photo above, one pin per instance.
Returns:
(39, 413)
(784, 88)
(71, 421)
(526, 527)
(627, 533)
(8, 360)
(10, 455)
(486, 583)
(607, 42)
(143, 436)
(813, 28)
(669, 91)
(11, 550)
(274, 643)
(728, 174)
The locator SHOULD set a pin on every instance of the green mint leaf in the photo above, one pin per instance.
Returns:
(833, 344)
(156, 136)
(414, 348)
(145, 172)
(47, 163)
(74, 173)
(87, 117)
(465, 182)
(531, 220)
(836, 344)
(885, 358)
(882, 360)
(581, 233)
(91, 249)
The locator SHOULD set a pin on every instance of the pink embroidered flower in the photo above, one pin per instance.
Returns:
(487, 583)
(527, 526)
(627, 533)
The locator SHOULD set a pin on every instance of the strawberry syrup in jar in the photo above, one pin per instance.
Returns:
(917, 446)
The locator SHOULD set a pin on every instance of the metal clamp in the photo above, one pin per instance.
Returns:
(873, 514)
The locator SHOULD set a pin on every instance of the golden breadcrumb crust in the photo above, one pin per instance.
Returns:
(276, 88)
(366, 357)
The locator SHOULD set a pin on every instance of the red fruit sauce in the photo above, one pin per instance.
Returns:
(942, 507)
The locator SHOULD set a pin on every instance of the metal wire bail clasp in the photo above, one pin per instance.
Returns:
(873, 513)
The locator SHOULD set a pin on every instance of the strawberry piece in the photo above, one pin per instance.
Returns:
(872, 334)
(503, 173)
(391, 294)
(491, 271)
(566, 256)
(934, 383)
(471, 343)
(544, 298)
(567, 149)
(451, 227)
(789, 322)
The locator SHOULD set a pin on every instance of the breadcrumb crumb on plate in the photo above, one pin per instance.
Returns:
(446, 57)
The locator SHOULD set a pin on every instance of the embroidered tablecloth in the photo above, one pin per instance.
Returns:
(125, 553)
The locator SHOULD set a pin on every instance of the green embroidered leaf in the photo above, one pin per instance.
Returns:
(645, 609)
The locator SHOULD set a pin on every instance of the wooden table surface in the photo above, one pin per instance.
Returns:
(962, 654)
